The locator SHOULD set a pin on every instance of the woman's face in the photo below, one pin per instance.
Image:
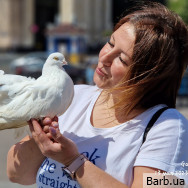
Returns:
(115, 57)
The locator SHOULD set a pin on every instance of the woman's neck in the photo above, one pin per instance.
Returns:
(105, 115)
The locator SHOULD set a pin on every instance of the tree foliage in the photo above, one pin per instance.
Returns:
(180, 7)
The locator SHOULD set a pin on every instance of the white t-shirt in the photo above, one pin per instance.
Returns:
(118, 149)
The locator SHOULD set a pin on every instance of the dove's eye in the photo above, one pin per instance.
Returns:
(56, 58)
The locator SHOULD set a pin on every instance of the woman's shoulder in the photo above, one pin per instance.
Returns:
(171, 127)
(165, 146)
(171, 120)
(172, 116)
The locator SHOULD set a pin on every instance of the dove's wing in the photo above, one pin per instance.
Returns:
(10, 97)
(10, 78)
(30, 100)
(19, 103)
(11, 85)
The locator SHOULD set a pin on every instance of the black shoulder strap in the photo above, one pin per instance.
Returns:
(152, 121)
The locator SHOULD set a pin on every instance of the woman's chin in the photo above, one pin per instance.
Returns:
(102, 85)
(99, 83)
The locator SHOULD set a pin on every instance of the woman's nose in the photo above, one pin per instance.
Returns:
(107, 59)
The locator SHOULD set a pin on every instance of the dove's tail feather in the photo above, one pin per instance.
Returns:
(11, 125)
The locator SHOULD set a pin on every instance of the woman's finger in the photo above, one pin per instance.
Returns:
(58, 137)
(67, 146)
(46, 128)
(46, 121)
(55, 124)
(39, 136)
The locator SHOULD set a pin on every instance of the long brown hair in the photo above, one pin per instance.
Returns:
(160, 57)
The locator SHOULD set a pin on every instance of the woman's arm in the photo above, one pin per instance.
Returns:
(88, 175)
(23, 161)
(25, 157)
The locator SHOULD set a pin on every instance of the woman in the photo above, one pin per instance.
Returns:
(139, 72)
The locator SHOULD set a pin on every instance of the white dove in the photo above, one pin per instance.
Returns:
(23, 98)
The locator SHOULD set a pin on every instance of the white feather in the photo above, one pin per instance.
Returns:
(23, 98)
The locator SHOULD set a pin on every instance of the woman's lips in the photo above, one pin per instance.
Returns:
(100, 72)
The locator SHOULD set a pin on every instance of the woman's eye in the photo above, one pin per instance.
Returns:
(110, 44)
(124, 62)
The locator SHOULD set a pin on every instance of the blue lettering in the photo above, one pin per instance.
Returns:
(62, 185)
(47, 180)
(51, 168)
(43, 177)
(57, 184)
(48, 167)
(63, 173)
(92, 158)
(40, 178)
(68, 185)
(52, 184)
(46, 162)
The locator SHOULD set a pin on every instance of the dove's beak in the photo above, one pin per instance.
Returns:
(64, 62)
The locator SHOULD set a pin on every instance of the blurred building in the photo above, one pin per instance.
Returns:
(24, 23)
(95, 16)
(16, 18)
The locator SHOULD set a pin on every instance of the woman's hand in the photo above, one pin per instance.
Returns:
(51, 142)
(47, 122)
